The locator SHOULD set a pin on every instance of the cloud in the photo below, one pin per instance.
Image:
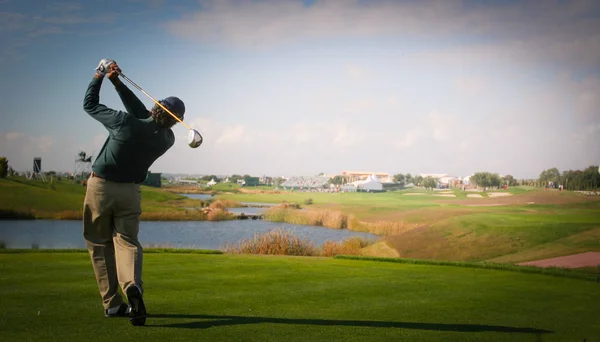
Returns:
(357, 73)
(13, 135)
(235, 134)
(471, 86)
(561, 32)
(408, 139)
(10, 21)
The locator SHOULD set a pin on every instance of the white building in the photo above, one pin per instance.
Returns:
(372, 183)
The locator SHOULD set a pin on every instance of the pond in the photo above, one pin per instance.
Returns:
(205, 197)
(54, 234)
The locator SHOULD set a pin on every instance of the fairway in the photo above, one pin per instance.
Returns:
(53, 297)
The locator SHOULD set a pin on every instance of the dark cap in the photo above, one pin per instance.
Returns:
(175, 105)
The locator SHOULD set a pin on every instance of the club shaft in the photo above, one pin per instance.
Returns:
(151, 98)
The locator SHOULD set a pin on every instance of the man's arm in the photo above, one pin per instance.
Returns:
(91, 104)
(132, 103)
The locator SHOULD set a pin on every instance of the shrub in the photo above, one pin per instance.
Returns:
(308, 201)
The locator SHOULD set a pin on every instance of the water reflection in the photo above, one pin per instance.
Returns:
(176, 234)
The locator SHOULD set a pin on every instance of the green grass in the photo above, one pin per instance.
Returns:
(416, 226)
(504, 235)
(54, 297)
(22, 197)
(442, 228)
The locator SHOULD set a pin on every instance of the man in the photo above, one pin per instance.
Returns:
(112, 206)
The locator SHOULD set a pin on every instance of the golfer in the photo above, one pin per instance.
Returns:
(112, 205)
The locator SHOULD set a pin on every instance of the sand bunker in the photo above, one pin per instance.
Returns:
(499, 194)
(446, 195)
(474, 196)
(571, 261)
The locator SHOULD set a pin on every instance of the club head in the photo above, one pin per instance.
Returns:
(194, 138)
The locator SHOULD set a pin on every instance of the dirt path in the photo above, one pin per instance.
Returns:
(588, 259)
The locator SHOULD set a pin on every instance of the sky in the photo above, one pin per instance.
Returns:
(292, 88)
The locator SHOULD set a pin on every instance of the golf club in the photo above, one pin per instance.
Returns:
(194, 137)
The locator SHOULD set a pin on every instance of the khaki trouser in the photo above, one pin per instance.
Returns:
(111, 217)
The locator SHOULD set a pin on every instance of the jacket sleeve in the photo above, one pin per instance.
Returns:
(91, 104)
(132, 103)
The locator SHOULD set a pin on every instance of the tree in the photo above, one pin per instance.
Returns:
(235, 178)
(408, 178)
(208, 178)
(399, 178)
(486, 179)
(3, 167)
(429, 182)
(277, 181)
(417, 180)
(337, 180)
(550, 175)
(509, 180)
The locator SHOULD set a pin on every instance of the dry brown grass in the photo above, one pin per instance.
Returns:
(325, 218)
(69, 215)
(187, 215)
(388, 228)
(274, 242)
(224, 204)
(282, 242)
(219, 215)
(338, 220)
(351, 246)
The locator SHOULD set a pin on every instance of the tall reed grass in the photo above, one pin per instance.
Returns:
(325, 218)
(386, 228)
(282, 242)
(337, 220)
(224, 204)
(274, 242)
(219, 215)
(351, 246)
(181, 215)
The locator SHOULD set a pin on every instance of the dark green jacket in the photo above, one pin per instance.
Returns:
(134, 140)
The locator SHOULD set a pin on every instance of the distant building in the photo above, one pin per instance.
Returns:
(153, 179)
(352, 176)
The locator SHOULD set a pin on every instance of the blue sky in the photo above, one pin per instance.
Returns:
(303, 87)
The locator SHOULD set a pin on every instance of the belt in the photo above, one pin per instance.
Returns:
(95, 175)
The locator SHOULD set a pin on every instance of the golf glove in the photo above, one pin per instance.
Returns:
(104, 66)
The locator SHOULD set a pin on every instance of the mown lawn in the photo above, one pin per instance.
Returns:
(53, 297)
(20, 195)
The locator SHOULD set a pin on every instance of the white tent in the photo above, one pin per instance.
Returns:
(211, 182)
(372, 183)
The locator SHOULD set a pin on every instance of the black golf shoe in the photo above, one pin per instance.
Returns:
(137, 316)
(122, 311)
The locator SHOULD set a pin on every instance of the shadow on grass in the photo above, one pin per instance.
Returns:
(218, 321)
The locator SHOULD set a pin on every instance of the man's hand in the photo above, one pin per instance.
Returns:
(113, 73)
(104, 66)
